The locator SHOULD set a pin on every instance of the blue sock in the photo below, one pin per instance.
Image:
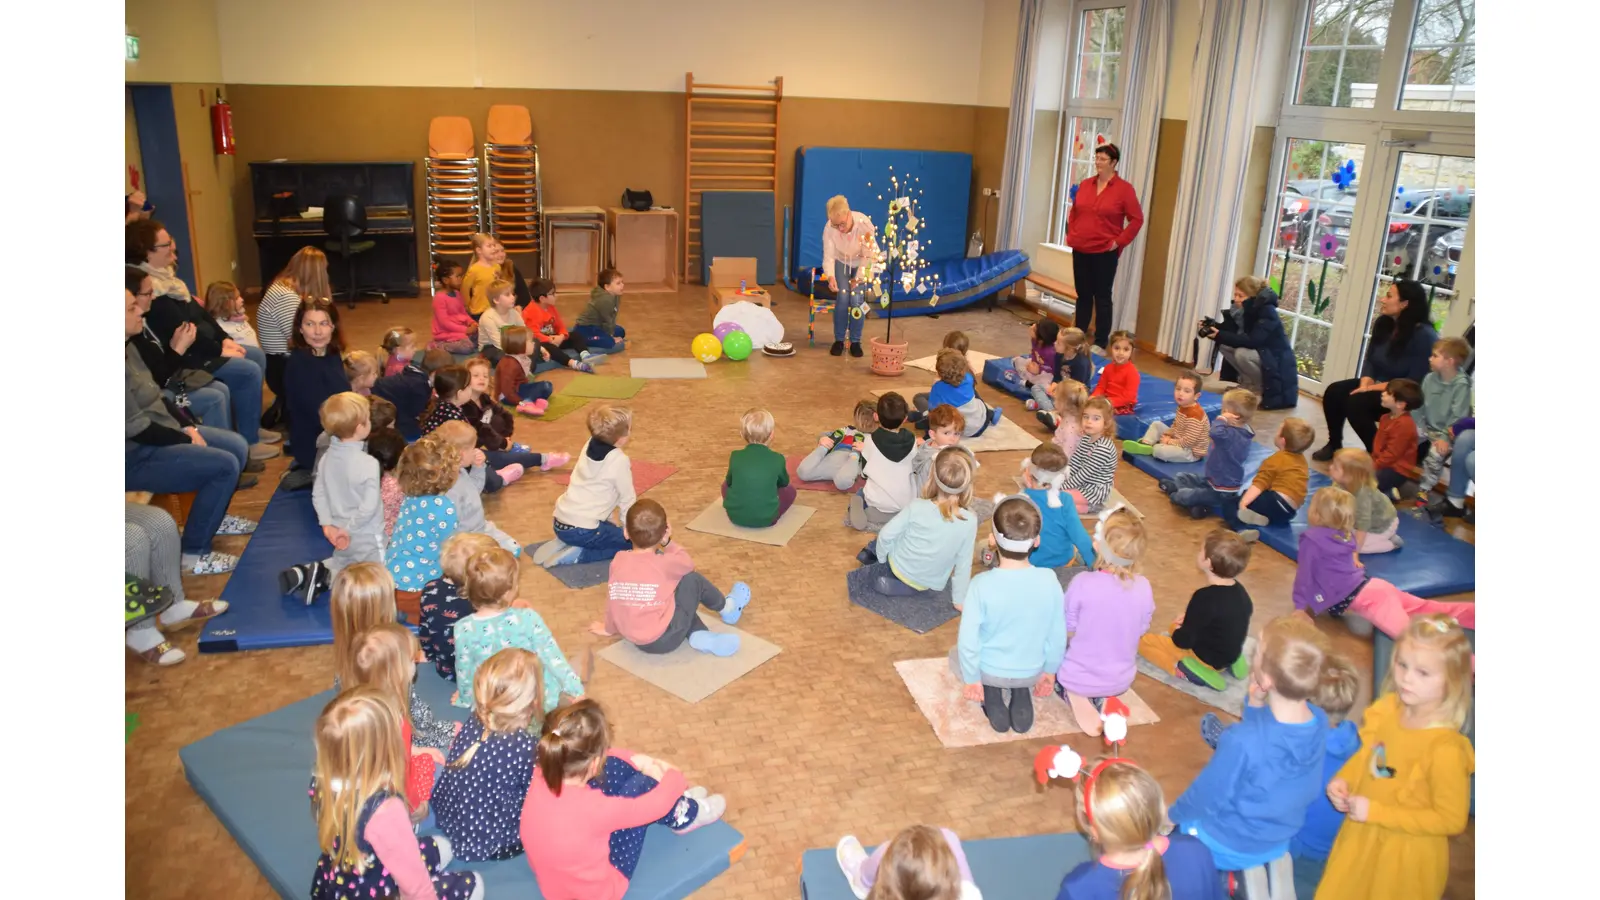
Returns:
(715, 643)
(738, 599)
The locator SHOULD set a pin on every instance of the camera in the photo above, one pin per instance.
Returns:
(1206, 326)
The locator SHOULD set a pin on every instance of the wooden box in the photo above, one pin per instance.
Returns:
(726, 273)
(574, 258)
(644, 248)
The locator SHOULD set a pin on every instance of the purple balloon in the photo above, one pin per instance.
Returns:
(726, 328)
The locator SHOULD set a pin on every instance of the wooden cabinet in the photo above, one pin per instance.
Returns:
(644, 248)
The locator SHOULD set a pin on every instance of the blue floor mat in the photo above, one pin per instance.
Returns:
(254, 777)
(1018, 868)
(1155, 397)
(1432, 563)
(258, 616)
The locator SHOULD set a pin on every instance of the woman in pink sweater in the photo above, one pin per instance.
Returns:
(452, 326)
(585, 817)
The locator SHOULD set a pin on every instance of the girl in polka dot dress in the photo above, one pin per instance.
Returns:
(587, 810)
(427, 471)
(478, 802)
(363, 826)
(385, 658)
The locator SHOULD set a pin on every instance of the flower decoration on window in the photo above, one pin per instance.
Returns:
(1072, 193)
(1345, 175)
(1329, 246)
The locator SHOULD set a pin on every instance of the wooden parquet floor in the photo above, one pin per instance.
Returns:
(821, 741)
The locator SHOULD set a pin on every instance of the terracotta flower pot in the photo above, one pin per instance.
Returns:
(888, 359)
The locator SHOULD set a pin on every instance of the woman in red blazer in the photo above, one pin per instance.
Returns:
(1105, 217)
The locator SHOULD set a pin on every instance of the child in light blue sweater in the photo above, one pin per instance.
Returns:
(929, 543)
(1013, 627)
(1062, 538)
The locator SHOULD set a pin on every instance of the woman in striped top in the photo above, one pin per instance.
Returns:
(1094, 463)
(305, 277)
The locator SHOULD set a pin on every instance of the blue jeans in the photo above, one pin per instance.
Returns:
(597, 339)
(1195, 492)
(1307, 875)
(848, 297)
(210, 404)
(210, 472)
(255, 354)
(599, 544)
(535, 390)
(499, 459)
(243, 379)
(1462, 467)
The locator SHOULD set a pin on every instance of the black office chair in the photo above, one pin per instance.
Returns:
(344, 217)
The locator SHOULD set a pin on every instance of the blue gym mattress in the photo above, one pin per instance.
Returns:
(739, 223)
(254, 777)
(961, 282)
(258, 616)
(1018, 868)
(1432, 563)
(1155, 397)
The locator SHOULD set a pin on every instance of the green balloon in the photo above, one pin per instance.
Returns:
(736, 345)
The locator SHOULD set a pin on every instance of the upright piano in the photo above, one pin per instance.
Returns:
(284, 192)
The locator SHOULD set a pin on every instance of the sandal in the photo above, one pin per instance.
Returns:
(143, 601)
(162, 654)
(234, 525)
(207, 609)
(213, 563)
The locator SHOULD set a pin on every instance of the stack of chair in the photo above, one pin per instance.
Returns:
(513, 192)
(575, 242)
(454, 183)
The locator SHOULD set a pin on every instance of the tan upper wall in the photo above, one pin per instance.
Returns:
(177, 41)
(824, 48)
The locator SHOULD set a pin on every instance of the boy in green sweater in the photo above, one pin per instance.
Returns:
(756, 492)
(1446, 400)
(597, 324)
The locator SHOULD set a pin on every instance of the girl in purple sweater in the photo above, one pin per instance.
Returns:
(1108, 610)
(1330, 578)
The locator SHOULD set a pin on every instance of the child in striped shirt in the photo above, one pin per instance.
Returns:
(1188, 437)
(1094, 463)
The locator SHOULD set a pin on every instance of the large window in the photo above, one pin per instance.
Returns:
(1099, 54)
(1441, 69)
(1093, 98)
(1342, 47)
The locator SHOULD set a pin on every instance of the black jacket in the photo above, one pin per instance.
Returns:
(167, 313)
(1259, 328)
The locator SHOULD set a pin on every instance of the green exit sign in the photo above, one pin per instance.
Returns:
(133, 48)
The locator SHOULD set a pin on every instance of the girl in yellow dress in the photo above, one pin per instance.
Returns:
(1407, 790)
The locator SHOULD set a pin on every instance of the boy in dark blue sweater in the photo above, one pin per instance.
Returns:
(1231, 437)
(410, 391)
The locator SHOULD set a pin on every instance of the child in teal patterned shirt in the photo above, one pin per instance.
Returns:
(427, 517)
(500, 620)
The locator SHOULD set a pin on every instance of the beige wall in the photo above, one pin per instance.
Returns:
(177, 41)
(825, 48)
(209, 180)
(996, 62)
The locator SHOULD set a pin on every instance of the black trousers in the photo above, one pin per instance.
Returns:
(693, 592)
(276, 364)
(1362, 411)
(1093, 274)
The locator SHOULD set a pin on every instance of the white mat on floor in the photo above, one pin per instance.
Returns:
(666, 367)
(975, 359)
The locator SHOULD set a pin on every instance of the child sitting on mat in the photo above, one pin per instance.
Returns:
(513, 373)
(428, 470)
(1446, 400)
(1107, 611)
(1251, 798)
(1275, 494)
(1072, 362)
(929, 543)
(1208, 639)
(1188, 437)
(1093, 464)
(1037, 370)
(467, 492)
(944, 430)
(1062, 538)
(955, 388)
(501, 314)
(385, 445)
(1330, 579)
(478, 800)
(363, 597)
(1071, 397)
(1394, 446)
(361, 370)
(499, 620)
(452, 327)
(364, 825)
(585, 815)
(1376, 524)
(410, 390)
(837, 456)
(1013, 632)
(597, 324)
(544, 323)
(346, 496)
(384, 656)
(1408, 790)
(1119, 380)
(1120, 807)
(495, 426)
(1231, 437)
(399, 349)
(887, 462)
(602, 481)
(920, 861)
(444, 600)
(756, 491)
(654, 593)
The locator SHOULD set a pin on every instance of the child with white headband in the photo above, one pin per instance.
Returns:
(1062, 538)
(1107, 611)
(1012, 633)
(929, 543)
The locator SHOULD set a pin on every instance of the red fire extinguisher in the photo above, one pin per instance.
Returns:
(222, 126)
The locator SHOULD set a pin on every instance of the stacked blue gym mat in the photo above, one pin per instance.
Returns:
(255, 776)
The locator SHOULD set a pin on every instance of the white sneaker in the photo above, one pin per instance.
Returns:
(852, 856)
(711, 809)
(549, 550)
(697, 793)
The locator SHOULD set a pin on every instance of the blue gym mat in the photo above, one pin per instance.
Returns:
(739, 223)
(258, 617)
(960, 282)
(1432, 563)
(254, 777)
(943, 178)
(1017, 868)
(1155, 397)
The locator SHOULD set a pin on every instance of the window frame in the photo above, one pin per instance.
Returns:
(1074, 108)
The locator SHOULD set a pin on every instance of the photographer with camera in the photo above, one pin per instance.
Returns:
(1255, 348)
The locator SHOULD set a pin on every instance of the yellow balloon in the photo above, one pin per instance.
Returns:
(706, 348)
